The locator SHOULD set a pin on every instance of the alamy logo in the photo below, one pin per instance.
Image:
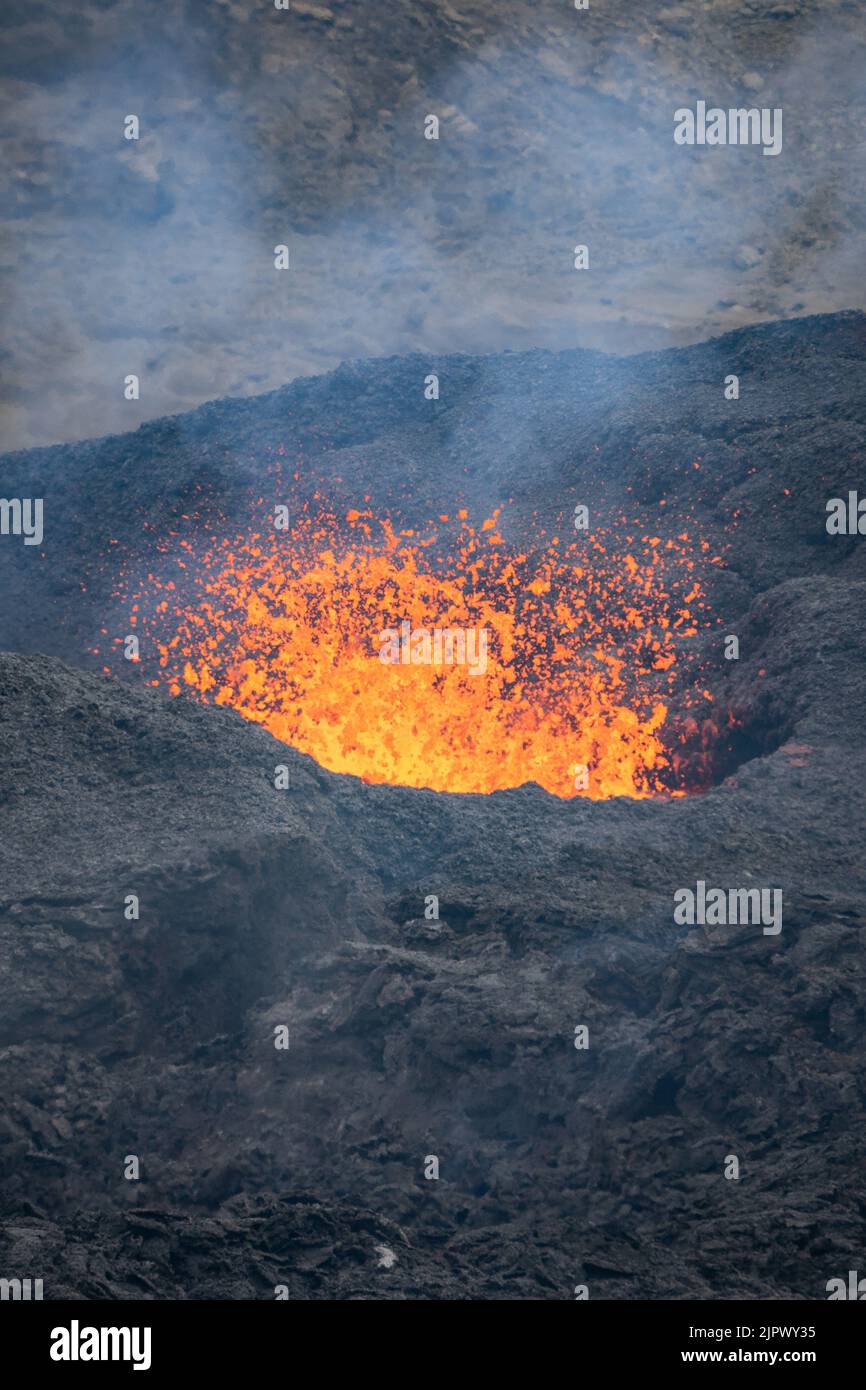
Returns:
(20, 1290)
(76, 1343)
(22, 516)
(720, 907)
(424, 646)
(738, 126)
(855, 1288)
(846, 518)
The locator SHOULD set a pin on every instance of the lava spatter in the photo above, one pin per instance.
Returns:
(583, 639)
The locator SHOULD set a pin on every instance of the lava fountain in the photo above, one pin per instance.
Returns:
(582, 640)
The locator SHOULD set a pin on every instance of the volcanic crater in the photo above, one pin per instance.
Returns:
(303, 905)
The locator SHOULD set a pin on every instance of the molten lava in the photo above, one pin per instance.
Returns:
(319, 635)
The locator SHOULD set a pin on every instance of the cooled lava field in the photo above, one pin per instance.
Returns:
(284, 865)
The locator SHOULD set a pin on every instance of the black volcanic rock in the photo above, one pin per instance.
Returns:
(409, 1038)
(305, 907)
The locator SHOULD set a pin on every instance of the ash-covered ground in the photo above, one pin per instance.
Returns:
(304, 907)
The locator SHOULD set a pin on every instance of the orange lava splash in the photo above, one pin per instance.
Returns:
(319, 634)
